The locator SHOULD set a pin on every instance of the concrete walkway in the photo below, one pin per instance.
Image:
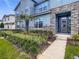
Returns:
(56, 50)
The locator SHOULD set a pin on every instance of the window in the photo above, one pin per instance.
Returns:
(8, 26)
(36, 25)
(18, 23)
(40, 24)
(23, 25)
(45, 7)
(40, 9)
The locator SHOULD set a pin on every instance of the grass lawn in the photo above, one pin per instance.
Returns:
(71, 51)
(7, 51)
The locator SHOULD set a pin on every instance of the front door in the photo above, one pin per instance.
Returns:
(63, 24)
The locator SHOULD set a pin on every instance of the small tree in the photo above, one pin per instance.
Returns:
(1, 25)
(26, 18)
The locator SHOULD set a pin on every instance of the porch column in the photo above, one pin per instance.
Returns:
(74, 21)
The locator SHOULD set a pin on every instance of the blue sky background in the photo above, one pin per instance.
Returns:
(7, 7)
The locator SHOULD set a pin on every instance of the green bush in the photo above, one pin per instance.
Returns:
(1, 25)
(42, 32)
(13, 30)
(2, 34)
(75, 37)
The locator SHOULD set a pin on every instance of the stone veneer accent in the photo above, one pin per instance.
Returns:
(74, 8)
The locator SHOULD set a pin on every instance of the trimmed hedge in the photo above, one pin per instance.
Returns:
(41, 32)
(13, 30)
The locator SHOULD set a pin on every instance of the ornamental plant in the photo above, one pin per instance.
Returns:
(75, 37)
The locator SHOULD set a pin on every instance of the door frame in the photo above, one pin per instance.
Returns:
(64, 14)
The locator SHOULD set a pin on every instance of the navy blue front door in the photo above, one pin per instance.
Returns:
(63, 23)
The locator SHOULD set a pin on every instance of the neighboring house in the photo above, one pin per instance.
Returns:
(9, 21)
(59, 16)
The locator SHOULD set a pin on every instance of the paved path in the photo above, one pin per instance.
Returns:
(55, 51)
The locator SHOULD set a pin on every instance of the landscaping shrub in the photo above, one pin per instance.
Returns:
(2, 34)
(31, 44)
(1, 25)
(75, 37)
(17, 31)
(41, 32)
(74, 40)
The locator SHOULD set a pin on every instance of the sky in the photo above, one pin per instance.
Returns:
(7, 7)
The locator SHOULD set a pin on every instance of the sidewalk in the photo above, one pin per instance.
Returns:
(55, 51)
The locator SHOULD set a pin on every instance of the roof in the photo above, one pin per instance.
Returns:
(8, 15)
(17, 6)
(39, 1)
(36, 1)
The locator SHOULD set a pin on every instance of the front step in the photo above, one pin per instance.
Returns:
(63, 36)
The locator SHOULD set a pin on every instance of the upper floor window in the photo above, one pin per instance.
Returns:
(45, 7)
(42, 7)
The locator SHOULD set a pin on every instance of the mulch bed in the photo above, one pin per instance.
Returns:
(73, 42)
(45, 45)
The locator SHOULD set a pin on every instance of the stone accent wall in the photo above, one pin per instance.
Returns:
(74, 21)
(74, 8)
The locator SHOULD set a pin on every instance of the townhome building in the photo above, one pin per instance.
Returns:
(58, 16)
(9, 21)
